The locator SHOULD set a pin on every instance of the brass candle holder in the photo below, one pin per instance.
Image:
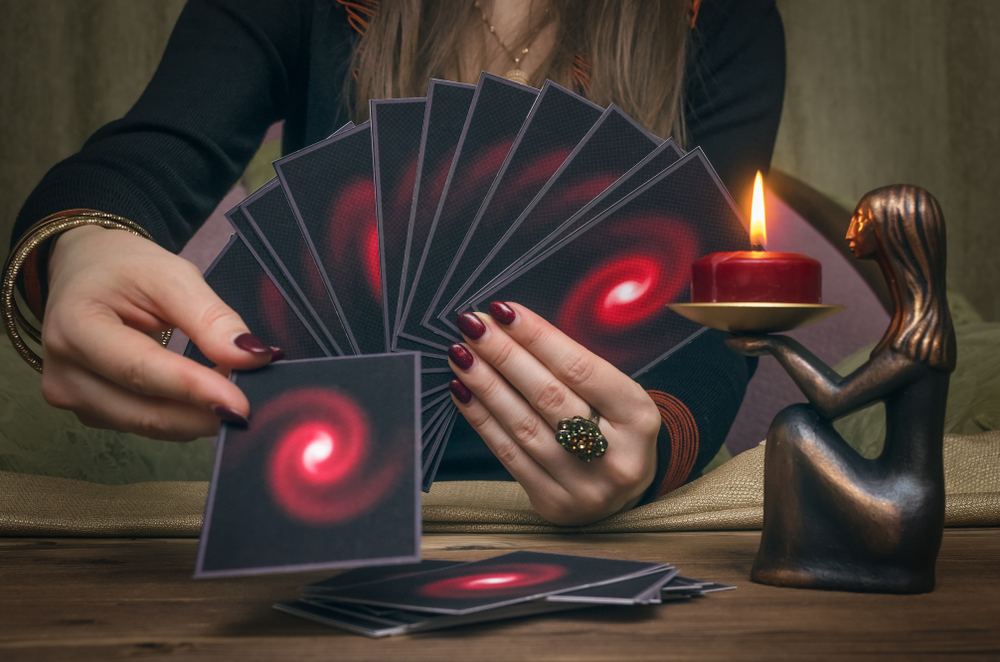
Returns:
(755, 317)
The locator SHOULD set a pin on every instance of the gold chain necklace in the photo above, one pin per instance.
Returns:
(514, 74)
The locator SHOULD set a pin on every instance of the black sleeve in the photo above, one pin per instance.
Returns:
(231, 68)
(698, 389)
(735, 87)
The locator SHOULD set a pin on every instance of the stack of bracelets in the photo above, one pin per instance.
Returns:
(39, 233)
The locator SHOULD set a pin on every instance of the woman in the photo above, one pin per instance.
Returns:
(233, 67)
(833, 519)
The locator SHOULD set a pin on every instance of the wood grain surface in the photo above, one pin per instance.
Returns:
(90, 599)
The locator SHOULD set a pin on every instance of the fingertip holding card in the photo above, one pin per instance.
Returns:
(268, 311)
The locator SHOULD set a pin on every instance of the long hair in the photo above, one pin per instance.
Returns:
(630, 52)
(910, 233)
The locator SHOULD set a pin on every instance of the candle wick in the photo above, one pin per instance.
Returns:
(757, 246)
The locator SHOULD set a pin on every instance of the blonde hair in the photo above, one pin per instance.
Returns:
(605, 49)
(910, 233)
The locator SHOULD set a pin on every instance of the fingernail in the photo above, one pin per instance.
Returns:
(277, 354)
(230, 415)
(461, 356)
(502, 313)
(251, 343)
(471, 326)
(460, 391)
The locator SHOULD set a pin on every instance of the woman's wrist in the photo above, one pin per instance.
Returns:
(23, 265)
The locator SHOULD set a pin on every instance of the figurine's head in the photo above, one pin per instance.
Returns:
(903, 228)
(861, 234)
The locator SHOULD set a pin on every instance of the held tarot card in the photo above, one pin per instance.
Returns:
(326, 475)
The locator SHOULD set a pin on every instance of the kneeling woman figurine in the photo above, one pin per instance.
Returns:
(833, 519)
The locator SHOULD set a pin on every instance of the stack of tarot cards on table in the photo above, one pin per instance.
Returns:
(379, 602)
(373, 240)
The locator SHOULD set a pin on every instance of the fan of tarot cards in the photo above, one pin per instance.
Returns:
(358, 256)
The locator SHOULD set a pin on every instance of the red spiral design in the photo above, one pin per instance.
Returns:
(320, 468)
(493, 584)
(353, 234)
(278, 316)
(629, 288)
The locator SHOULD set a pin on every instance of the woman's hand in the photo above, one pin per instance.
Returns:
(521, 376)
(110, 294)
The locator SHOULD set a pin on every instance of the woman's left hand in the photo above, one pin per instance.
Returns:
(523, 376)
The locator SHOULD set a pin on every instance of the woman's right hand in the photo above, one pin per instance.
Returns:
(111, 293)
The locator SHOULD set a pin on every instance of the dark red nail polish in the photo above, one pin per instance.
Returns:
(470, 325)
(277, 354)
(230, 415)
(460, 391)
(502, 313)
(461, 356)
(251, 343)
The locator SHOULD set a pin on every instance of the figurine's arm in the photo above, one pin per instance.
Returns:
(833, 395)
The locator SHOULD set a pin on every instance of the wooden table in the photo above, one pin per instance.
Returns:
(95, 599)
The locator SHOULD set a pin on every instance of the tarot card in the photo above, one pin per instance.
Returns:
(355, 618)
(371, 574)
(352, 620)
(607, 284)
(447, 108)
(432, 382)
(435, 437)
(431, 413)
(434, 448)
(555, 125)
(498, 111)
(271, 218)
(239, 280)
(639, 591)
(658, 160)
(397, 127)
(432, 407)
(431, 421)
(326, 473)
(331, 190)
(436, 434)
(432, 468)
(616, 150)
(688, 586)
(682, 586)
(508, 579)
(255, 245)
(433, 385)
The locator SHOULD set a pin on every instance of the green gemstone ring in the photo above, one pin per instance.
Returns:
(582, 437)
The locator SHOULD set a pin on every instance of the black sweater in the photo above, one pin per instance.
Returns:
(234, 67)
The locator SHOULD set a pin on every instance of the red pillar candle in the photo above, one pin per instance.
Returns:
(756, 277)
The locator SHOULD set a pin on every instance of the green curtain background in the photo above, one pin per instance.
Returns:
(879, 92)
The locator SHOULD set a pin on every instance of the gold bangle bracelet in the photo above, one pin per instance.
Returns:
(42, 231)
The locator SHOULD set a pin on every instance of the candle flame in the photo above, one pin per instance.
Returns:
(758, 231)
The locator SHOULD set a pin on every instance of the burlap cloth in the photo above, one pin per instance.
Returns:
(731, 497)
